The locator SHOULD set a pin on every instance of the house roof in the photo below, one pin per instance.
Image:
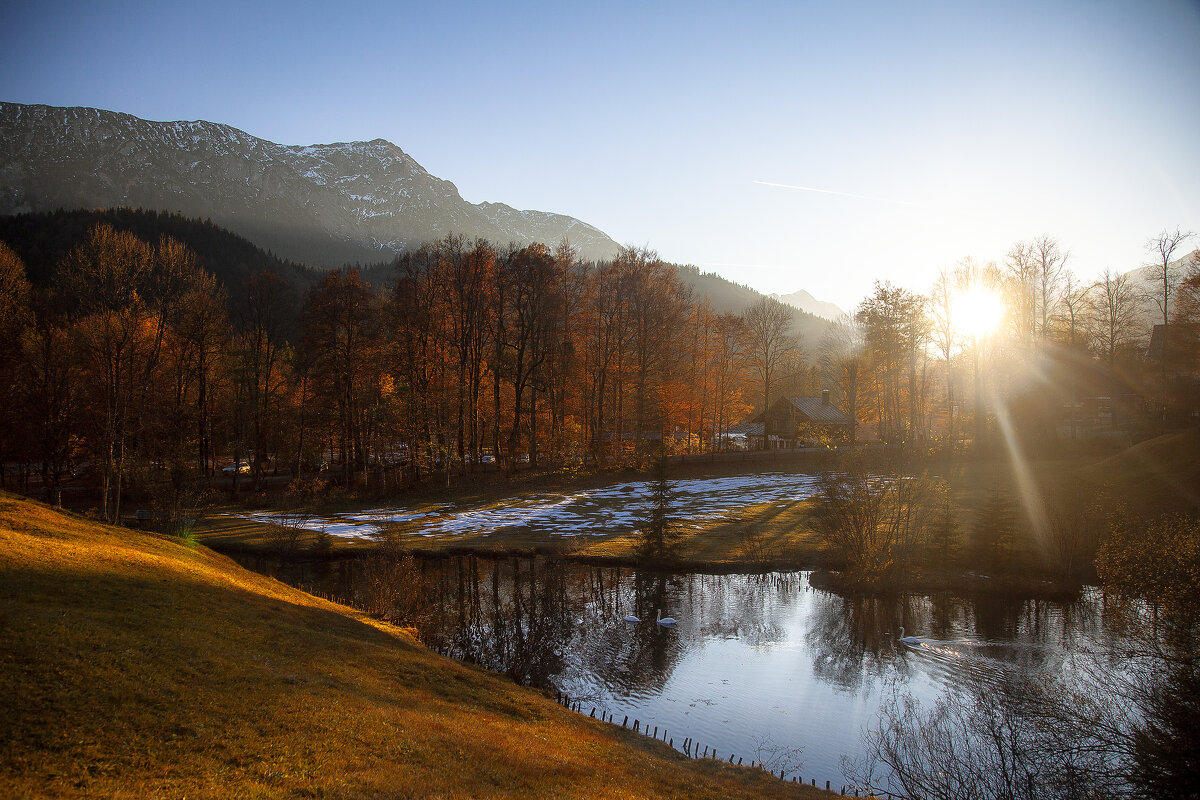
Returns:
(747, 429)
(814, 410)
(819, 411)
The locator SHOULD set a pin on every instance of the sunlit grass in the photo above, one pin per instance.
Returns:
(134, 666)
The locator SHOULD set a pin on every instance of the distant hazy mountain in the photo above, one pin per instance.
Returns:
(806, 302)
(324, 204)
(726, 296)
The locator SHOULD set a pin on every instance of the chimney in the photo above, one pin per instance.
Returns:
(824, 397)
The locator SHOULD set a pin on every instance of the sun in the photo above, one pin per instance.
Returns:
(978, 310)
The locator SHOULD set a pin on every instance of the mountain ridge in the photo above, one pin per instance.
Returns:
(804, 301)
(326, 204)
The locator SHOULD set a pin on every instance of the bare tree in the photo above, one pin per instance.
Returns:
(1019, 737)
(1076, 303)
(768, 322)
(842, 366)
(876, 524)
(1163, 247)
(340, 325)
(1021, 272)
(1115, 323)
(1048, 262)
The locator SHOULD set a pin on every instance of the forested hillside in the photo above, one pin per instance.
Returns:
(42, 240)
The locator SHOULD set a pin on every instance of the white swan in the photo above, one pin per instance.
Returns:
(667, 621)
(908, 639)
(631, 618)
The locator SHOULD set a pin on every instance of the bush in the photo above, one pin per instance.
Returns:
(877, 523)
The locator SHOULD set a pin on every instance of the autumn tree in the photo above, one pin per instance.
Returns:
(121, 294)
(465, 278)
(729, 367)
(192, 350)
(14, 303)
(340, 328)
(697, 387)
(603, 338)
(262, 319)
(562, 375)
(895, 331)
(415, 313)
(657, 300)
(14, 317)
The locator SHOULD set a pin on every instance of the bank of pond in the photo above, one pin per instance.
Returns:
(763, 668)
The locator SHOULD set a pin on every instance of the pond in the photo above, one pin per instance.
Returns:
(758, 667)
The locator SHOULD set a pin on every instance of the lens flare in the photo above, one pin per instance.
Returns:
(977, 311)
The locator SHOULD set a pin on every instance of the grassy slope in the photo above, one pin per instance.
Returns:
(1158, 475)
(133, 666)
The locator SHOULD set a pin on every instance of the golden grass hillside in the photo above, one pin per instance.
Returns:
(132, 666)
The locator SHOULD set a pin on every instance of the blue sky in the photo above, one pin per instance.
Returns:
(946, 130)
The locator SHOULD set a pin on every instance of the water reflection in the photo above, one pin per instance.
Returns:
(753, 658)
(851, 639)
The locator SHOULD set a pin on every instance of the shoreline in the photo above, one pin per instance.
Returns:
(962, 583)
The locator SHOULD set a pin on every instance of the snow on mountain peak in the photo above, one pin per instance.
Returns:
(318, 203)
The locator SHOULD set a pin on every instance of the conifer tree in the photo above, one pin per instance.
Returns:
(660, 536)
(996, 528)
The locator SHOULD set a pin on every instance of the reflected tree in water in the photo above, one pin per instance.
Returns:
(854, 637)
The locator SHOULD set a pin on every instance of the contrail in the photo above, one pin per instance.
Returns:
(830, 191)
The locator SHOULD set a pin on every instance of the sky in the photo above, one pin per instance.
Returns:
(933, 131)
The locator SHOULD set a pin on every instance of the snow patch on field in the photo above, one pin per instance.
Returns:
(617, 509)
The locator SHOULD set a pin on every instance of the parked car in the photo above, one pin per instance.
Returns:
(242, 468)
